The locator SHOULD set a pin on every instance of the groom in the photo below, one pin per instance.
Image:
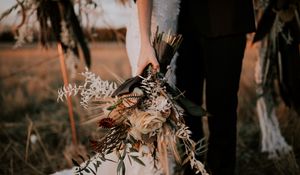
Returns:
(210, 59)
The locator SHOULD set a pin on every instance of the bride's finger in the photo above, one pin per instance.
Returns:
(155, 65)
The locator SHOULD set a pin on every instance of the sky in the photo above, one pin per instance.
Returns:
(108, 14)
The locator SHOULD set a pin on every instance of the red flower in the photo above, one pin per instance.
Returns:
(94, 144)
(106, 123)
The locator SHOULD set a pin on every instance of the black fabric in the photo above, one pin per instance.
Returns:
(219, 62)
(213, 18)
(212, 50)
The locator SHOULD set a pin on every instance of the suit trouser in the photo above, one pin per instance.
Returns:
(218, 61)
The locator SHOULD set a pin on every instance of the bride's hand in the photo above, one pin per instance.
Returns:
(147, 56)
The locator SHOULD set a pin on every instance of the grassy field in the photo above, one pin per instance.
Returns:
(34, 128)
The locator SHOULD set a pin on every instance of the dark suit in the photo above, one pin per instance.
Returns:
(217, 17)
(212, 50)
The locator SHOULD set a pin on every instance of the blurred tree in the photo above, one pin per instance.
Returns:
(277, 68)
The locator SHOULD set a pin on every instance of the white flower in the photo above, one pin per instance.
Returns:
(93, 88)
(161, 104)
(145, 122)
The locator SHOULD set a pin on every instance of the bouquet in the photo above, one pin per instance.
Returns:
(143, 111)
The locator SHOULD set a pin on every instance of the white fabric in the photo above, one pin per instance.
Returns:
(133, 168)
(164, 15)
(110, 168)
(272, 141)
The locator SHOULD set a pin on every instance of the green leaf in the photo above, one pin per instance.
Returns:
(118, 154)
(192, 108)
(94, 172)
(133, 149)
(124, 153)
(121, 168)
(110, 108)
(131, 140)
(185, 161)
(81, 157)
(75, 163)
(87, 170)
(110, 160)
(97, 164)
(130, 161)
(102, 158)
(135, 158)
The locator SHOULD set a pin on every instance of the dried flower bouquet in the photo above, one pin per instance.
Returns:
(143, 111)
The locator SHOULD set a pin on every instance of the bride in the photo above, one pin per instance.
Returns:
(145, 17)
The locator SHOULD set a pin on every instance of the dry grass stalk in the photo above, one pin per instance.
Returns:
(42, 144)
(29, 130)
(26, 163)
(287, 164)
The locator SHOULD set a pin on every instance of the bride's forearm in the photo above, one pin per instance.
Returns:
(144, 16)
(147, 53)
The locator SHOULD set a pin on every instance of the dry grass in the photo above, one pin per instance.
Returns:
(29, 78)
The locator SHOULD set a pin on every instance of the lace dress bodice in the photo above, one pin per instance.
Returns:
(164, 15)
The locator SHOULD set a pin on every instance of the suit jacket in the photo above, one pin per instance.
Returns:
(214, 18)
